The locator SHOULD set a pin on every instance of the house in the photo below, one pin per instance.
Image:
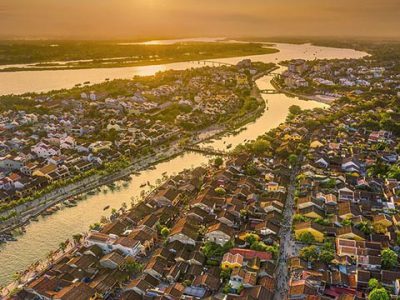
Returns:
(249, 254)
(142, 284)
(257, 292)
(128, 246)
(219, 233)
(312, 212)
(100, 146)
(231, 261)
(208, 281)
(351, 165)
(45, 171)
(346, 194)
(112, 260)
(350, 232)
(383, 220)
(156, 267)
(166, 197)
(44, 151)
(347, 210)
(315, 229)
(184, 231)
(267, 228)
(11, 163)
(75, 291)
(226, 217)
(301, 289)
(242, 277)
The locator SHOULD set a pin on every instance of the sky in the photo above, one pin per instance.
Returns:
(134, 19)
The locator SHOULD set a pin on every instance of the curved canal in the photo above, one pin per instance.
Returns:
(43, 236)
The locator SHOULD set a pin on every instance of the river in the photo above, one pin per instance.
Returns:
(45, 235)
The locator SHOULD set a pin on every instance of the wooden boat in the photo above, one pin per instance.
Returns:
(106, 207)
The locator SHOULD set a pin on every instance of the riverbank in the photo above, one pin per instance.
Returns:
(316, 98)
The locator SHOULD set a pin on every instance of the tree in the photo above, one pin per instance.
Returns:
(225, 274)
(63, 246)
(373, 283)
(131, 266)
(379, 228)
(306, 238)
(389, 259)
(295, 109)
(297, 218)
(365, 227)
(77, 237)
(309, 253)
(220, 191)
(379, 294)
(258, 246)
(260, 146)
(292, 159)
(164, 231)
(218, 162)
(250, 238)
(326, 256)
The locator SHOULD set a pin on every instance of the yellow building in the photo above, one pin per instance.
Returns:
(45, 171)
(231, 261)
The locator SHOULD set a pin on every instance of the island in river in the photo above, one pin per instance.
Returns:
(62, 55)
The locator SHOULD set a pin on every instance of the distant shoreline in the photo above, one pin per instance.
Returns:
(138, 56)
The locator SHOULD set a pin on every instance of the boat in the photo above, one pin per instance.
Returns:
(143, 185)
(69, 203)
(86, 82)
(48, 212)
(106, 207)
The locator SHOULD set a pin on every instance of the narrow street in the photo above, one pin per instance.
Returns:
(282, 275)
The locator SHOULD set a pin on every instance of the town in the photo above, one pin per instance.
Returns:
(309, 210)
(59, 143)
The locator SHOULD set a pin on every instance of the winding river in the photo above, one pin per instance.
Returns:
(45, 235)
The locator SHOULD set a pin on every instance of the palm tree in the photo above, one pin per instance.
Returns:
(77, 238)
(63, 246)
(365, 227)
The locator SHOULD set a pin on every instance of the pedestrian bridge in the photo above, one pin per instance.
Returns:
(213, 63)
(206, 150)
(269, 91)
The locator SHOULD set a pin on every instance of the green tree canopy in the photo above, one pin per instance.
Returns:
(309, 253)
(389, 259)
(379, 294)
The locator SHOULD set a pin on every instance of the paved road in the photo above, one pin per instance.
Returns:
(286, 246)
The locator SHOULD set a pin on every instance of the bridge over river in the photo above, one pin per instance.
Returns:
(206, 150)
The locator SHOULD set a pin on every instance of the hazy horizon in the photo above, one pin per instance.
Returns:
(138, 19)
